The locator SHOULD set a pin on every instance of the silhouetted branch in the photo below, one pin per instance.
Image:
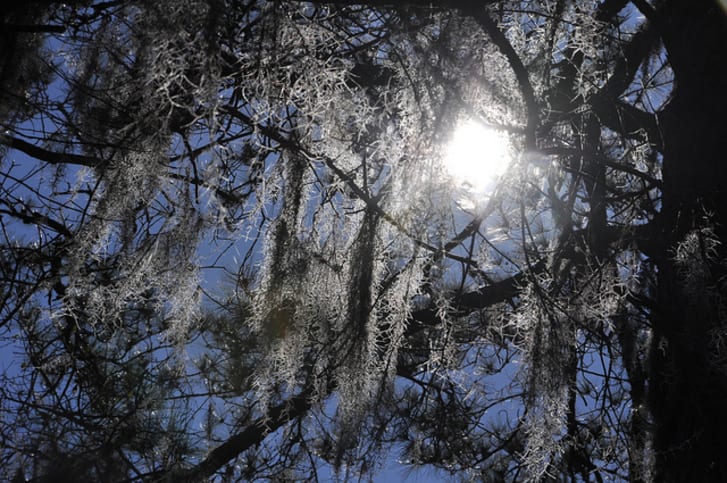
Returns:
(275, 418)
(48, 156)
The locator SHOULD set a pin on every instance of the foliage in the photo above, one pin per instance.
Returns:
(566, 325)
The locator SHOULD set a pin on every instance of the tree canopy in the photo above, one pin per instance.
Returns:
(231, 247)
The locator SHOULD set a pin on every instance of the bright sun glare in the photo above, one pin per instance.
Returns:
(476, 156)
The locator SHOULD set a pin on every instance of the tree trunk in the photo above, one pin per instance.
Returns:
(688, 389)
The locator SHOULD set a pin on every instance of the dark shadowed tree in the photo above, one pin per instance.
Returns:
(564, 321)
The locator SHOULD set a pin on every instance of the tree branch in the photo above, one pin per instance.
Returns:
(32, 217)
(46, 155)
(275, 418)
(614, 113)
(480, 15)
(33, 28)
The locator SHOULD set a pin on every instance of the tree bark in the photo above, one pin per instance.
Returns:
(688, 390)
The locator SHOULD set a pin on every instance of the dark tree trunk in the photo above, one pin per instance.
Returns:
(688, 389)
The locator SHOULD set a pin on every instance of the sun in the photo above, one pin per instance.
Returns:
(476, 156)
